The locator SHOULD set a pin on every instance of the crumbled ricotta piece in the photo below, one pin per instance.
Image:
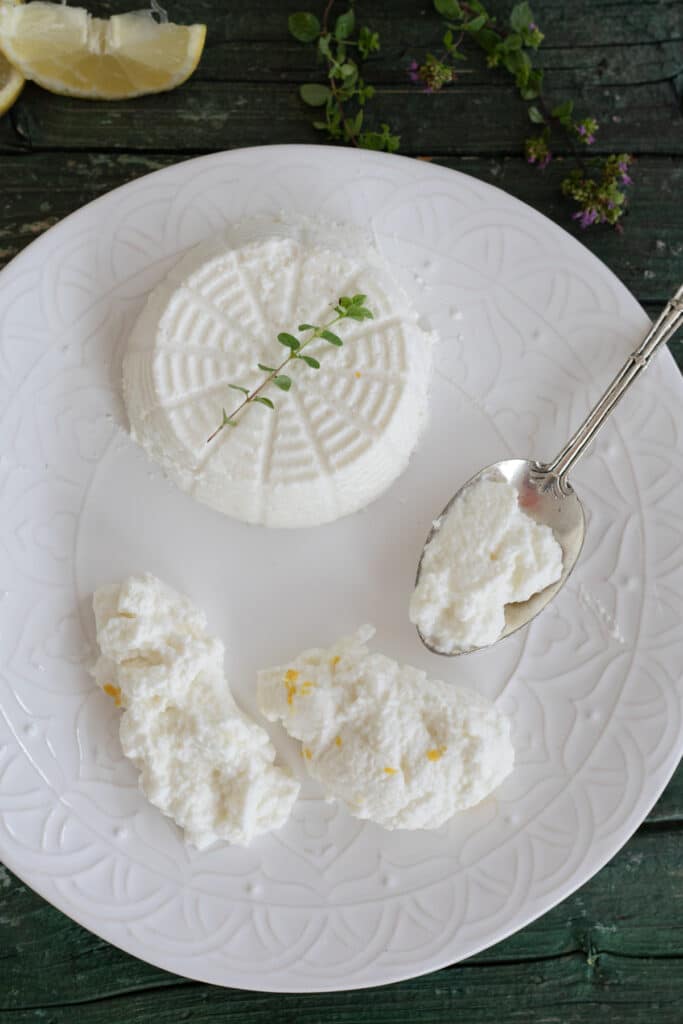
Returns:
(339, 437)
(201, 760)
(396, 747)
(486, 554)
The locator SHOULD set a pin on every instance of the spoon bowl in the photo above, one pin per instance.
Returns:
(544, 499)
(544, 492)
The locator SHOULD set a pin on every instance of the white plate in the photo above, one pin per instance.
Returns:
(532, 326)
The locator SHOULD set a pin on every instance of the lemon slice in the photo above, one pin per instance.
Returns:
(67, 51)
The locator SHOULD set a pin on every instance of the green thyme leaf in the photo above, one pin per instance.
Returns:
(521, 17)
(282, 381)
(315, 95)
(310, 361)
(368, 42)
(448, 8)
(333, 338)
(563, 110)
(344, 25)
(512, 42)
(304, 26)
(266, 369)
(289, 341)
(476, 23)
(262, 400)
(535, 115)
(360, 313)
(382, 141)
(306, 327)
(238, 387)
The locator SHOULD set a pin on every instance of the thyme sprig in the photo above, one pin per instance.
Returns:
(344, 95)
(595, 185)
(347, 308)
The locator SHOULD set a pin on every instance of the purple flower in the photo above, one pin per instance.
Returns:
(626, 178)
(590, 139)
(581, 129)
(585, 217)
(533, 26)
(545, 161)
(414, 71)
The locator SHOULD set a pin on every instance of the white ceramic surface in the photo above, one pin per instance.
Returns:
(532, 326)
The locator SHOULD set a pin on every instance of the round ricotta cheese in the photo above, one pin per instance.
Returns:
(201, 760)
(395, 747)
(487, 553)
(339, 437)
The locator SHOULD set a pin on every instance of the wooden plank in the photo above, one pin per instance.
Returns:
(632, 908)
(669, 807)
(581, 23)
(472, 119)
(568, 989)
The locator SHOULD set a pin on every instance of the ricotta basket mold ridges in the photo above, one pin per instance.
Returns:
(340, 436)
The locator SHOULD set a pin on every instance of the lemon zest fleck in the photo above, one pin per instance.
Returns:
(291, 693)
(335, 661)
(358, 374)
(436, 754)
(291, 675)
(338, 741)
(306, 687)
(308, 754)
(390, 771)
(113, 691)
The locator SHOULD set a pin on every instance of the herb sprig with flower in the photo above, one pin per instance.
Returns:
(595, 185)
(347, 308)
(345, 94)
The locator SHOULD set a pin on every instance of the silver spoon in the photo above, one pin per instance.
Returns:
(544, 491)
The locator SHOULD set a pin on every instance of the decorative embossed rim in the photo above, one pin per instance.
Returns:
(651, 786)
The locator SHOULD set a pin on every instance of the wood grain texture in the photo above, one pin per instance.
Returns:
(483, 118)
(614, 949)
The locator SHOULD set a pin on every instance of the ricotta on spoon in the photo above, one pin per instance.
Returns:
(395, 747)
(201, 760)
(486, 553)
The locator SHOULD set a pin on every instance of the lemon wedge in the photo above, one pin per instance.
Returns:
(67, 51)
(11, 81)
(11, 84)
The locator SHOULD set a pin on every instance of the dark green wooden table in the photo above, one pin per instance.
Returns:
(614, 950)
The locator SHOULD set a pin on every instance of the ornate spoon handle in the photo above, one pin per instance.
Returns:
(668, 322)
